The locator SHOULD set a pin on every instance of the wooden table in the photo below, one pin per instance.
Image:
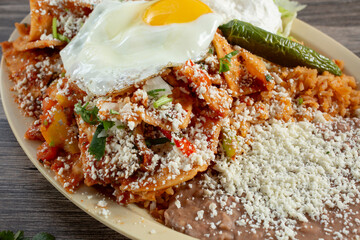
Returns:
(29, 203)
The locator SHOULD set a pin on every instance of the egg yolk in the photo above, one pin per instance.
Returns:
(165, 12)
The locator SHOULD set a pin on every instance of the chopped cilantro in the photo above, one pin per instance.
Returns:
(97, 145)
(88, 115)
(225, 62)
(300, 101)
(108, 124)
(327, 152)
(161, 101)
(155, 92)
(7, 235)
(43, 236)
(268, 77)
(45, 122)
(211, 51)
(151, 142)
(114, 112)
(62, 74)
(120, 127)
(19, 235)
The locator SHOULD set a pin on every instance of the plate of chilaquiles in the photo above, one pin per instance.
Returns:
(173, 119)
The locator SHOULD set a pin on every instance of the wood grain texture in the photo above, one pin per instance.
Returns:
(28, 202)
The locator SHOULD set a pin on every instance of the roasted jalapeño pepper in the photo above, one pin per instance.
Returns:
(275, 48)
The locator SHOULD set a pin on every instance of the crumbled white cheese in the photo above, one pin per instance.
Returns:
(102, 203)
(200, 215)
(293, 170)
(177, 204)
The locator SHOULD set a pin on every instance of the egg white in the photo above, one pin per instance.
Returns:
(261, 13)
(116, 49)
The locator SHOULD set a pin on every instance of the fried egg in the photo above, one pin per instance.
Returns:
(261, 13)
(123, 43)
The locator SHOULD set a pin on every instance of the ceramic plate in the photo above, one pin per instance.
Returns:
(131, 220)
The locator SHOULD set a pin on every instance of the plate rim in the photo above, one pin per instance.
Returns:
(128, 227)
(141, 224)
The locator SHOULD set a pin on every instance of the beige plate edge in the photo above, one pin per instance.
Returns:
(133, 221)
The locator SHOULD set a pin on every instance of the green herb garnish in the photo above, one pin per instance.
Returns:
(268, 77)
(113, 112)
(63, 38)
(108, 124)
(162, 101)
(57, 35)
(225, 62)
(19, 235)
(211, 51)
(9, 235)
(62, 74)
(54, 28)
(155, 92)
(151, 142)
(300, 101)
(43, 236)
(88, 115)
(97, 145)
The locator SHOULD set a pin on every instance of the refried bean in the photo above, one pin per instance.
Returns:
(194, 212)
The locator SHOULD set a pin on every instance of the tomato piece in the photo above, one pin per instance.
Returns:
(34, 133)
(47, 104)
(198, 76)
(46, 153)
(167, 134)
(217, 98)
(185, 146)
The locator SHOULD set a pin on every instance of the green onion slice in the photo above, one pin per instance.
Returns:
(113, 112)
(155, 92)
(162, 101)
(57, 35)
(300, 101)
(54, 28)
(63, 38)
